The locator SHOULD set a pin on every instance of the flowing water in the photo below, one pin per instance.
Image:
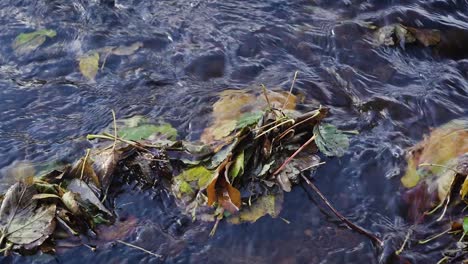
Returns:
(191, 50)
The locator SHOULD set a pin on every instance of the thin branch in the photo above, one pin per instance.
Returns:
(293, 155)
(271, 128)
(139, 248)
(350, 224)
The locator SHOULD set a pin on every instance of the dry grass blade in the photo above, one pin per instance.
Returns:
(290, 90)
(139, 248)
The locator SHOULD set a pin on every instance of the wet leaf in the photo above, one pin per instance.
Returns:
(237, 168)
(200, 174)
(103, 164)
(222, 155)
(28, 42)
(119, 230)
(230, 198)
(330, 140)
(22, 221)
(127, 50)
(89, 65)
(71, 202)
(138, 128)
(249, 119)
(442, 147)
(266, 204)
(283, 177)
(427, 37)
(80, 187)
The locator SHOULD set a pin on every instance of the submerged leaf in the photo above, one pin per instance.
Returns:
(22, 221)
(266, 204)
(200, 174)
(442, 147)
(127, 50)
(89, 65)
(27, 42)
(249, 119)
(330, 140)
(236, 109)
(427, 37)
(138, 128)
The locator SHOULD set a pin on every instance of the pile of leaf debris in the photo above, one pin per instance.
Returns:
(254, 150)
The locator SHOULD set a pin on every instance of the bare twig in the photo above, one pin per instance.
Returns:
(139, 248)
(294, 155)
(350, 224)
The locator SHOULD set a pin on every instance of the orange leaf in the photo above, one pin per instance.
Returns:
(235, 196)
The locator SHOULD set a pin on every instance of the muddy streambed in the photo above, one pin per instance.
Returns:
(189, 51)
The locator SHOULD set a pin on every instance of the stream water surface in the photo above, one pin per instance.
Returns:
(191, 50)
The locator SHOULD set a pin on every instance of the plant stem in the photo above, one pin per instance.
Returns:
(293, 155)
(350, 224)
(290, 90)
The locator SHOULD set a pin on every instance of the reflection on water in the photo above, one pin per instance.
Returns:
(191, 50)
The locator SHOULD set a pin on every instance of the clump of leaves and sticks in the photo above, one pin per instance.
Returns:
(239, 171)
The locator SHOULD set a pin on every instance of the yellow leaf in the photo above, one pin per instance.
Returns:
(444, 145)
(233, 104)
(89, 65)
(464, 189)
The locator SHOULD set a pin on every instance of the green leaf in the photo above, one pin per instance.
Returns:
(27, 42)
(330, 140)
(200, 174)
(138, 127)
(22, 221)
(144, 131)
(237, 168)
(89, 65)
(248, 119)
(465, 224)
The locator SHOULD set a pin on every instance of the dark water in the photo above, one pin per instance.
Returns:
(194, 49)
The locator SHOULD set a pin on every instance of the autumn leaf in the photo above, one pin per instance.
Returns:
(22, 221)
(89, 65)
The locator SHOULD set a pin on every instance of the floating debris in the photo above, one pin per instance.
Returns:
(239, 173)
